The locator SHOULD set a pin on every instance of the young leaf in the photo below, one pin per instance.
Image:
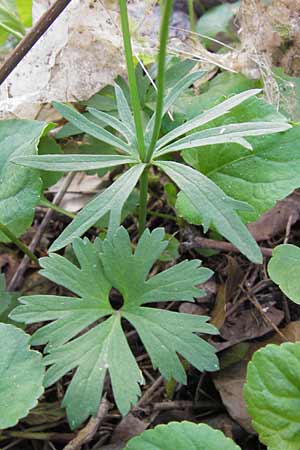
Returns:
(213, 206)
(21, 375)
(182, 436)
(20, 187)
(124, 110)
(72, 163)
(111, 200)
(89, 127)
(284, 270)
(272, 395)
(102, 266)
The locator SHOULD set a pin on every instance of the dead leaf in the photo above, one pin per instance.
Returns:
(129, 427)
(275, 221)
(230, 384)
(249, 324)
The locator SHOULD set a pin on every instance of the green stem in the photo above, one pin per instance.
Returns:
(192, 15)
(134, 94)
(44, 202)
(143, 201)
(164, 35)
(18, 243)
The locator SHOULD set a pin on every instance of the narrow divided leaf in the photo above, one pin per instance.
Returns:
(214, 207)
(284, 270)
(232, 133)
(182, 436)
(76, 339)
(91, 128)
(272, 394)
(21, 375)
(111, 200)
(72, 163)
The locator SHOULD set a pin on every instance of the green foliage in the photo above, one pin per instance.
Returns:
(20, 187)
(15, 16)
(217, 20)
(182, 436)
(252, 177)
(284, 270)
(272, 394)
(8, 301)
(21, 375)
(114, 198)
(105, 265)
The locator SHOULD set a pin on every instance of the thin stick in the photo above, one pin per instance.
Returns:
(199, 242)
(88, 432)
(17, 278)
(32, 37)
(18, 243)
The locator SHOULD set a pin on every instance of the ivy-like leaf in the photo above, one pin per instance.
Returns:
(272, 394)
(284, 270)
(102, 266)
(182, 436)
(20, 187)
(21, 375)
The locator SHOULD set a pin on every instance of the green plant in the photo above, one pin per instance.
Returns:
(21, 375)
(272, 394)
(143, 148)
(15, 16)
(103, 266)
(284, 270)
(182, 436)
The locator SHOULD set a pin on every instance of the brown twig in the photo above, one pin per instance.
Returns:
(18, 276)
(199, 242)
(88, 432)
(32, 37)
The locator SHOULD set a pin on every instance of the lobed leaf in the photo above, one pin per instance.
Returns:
(76, 340)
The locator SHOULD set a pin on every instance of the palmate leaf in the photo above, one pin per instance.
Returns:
(182, 436)
(214, 206)
(165, 334)
(272, 394)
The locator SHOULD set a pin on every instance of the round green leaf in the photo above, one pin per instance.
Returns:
(272, 395)
(182, 436)
(284, 270)
(20, 187)
(21, 375)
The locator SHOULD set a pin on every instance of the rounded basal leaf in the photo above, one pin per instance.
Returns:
(20, 187)
(272, 395)
(284, 270)
(21, 375)
(182, 436)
